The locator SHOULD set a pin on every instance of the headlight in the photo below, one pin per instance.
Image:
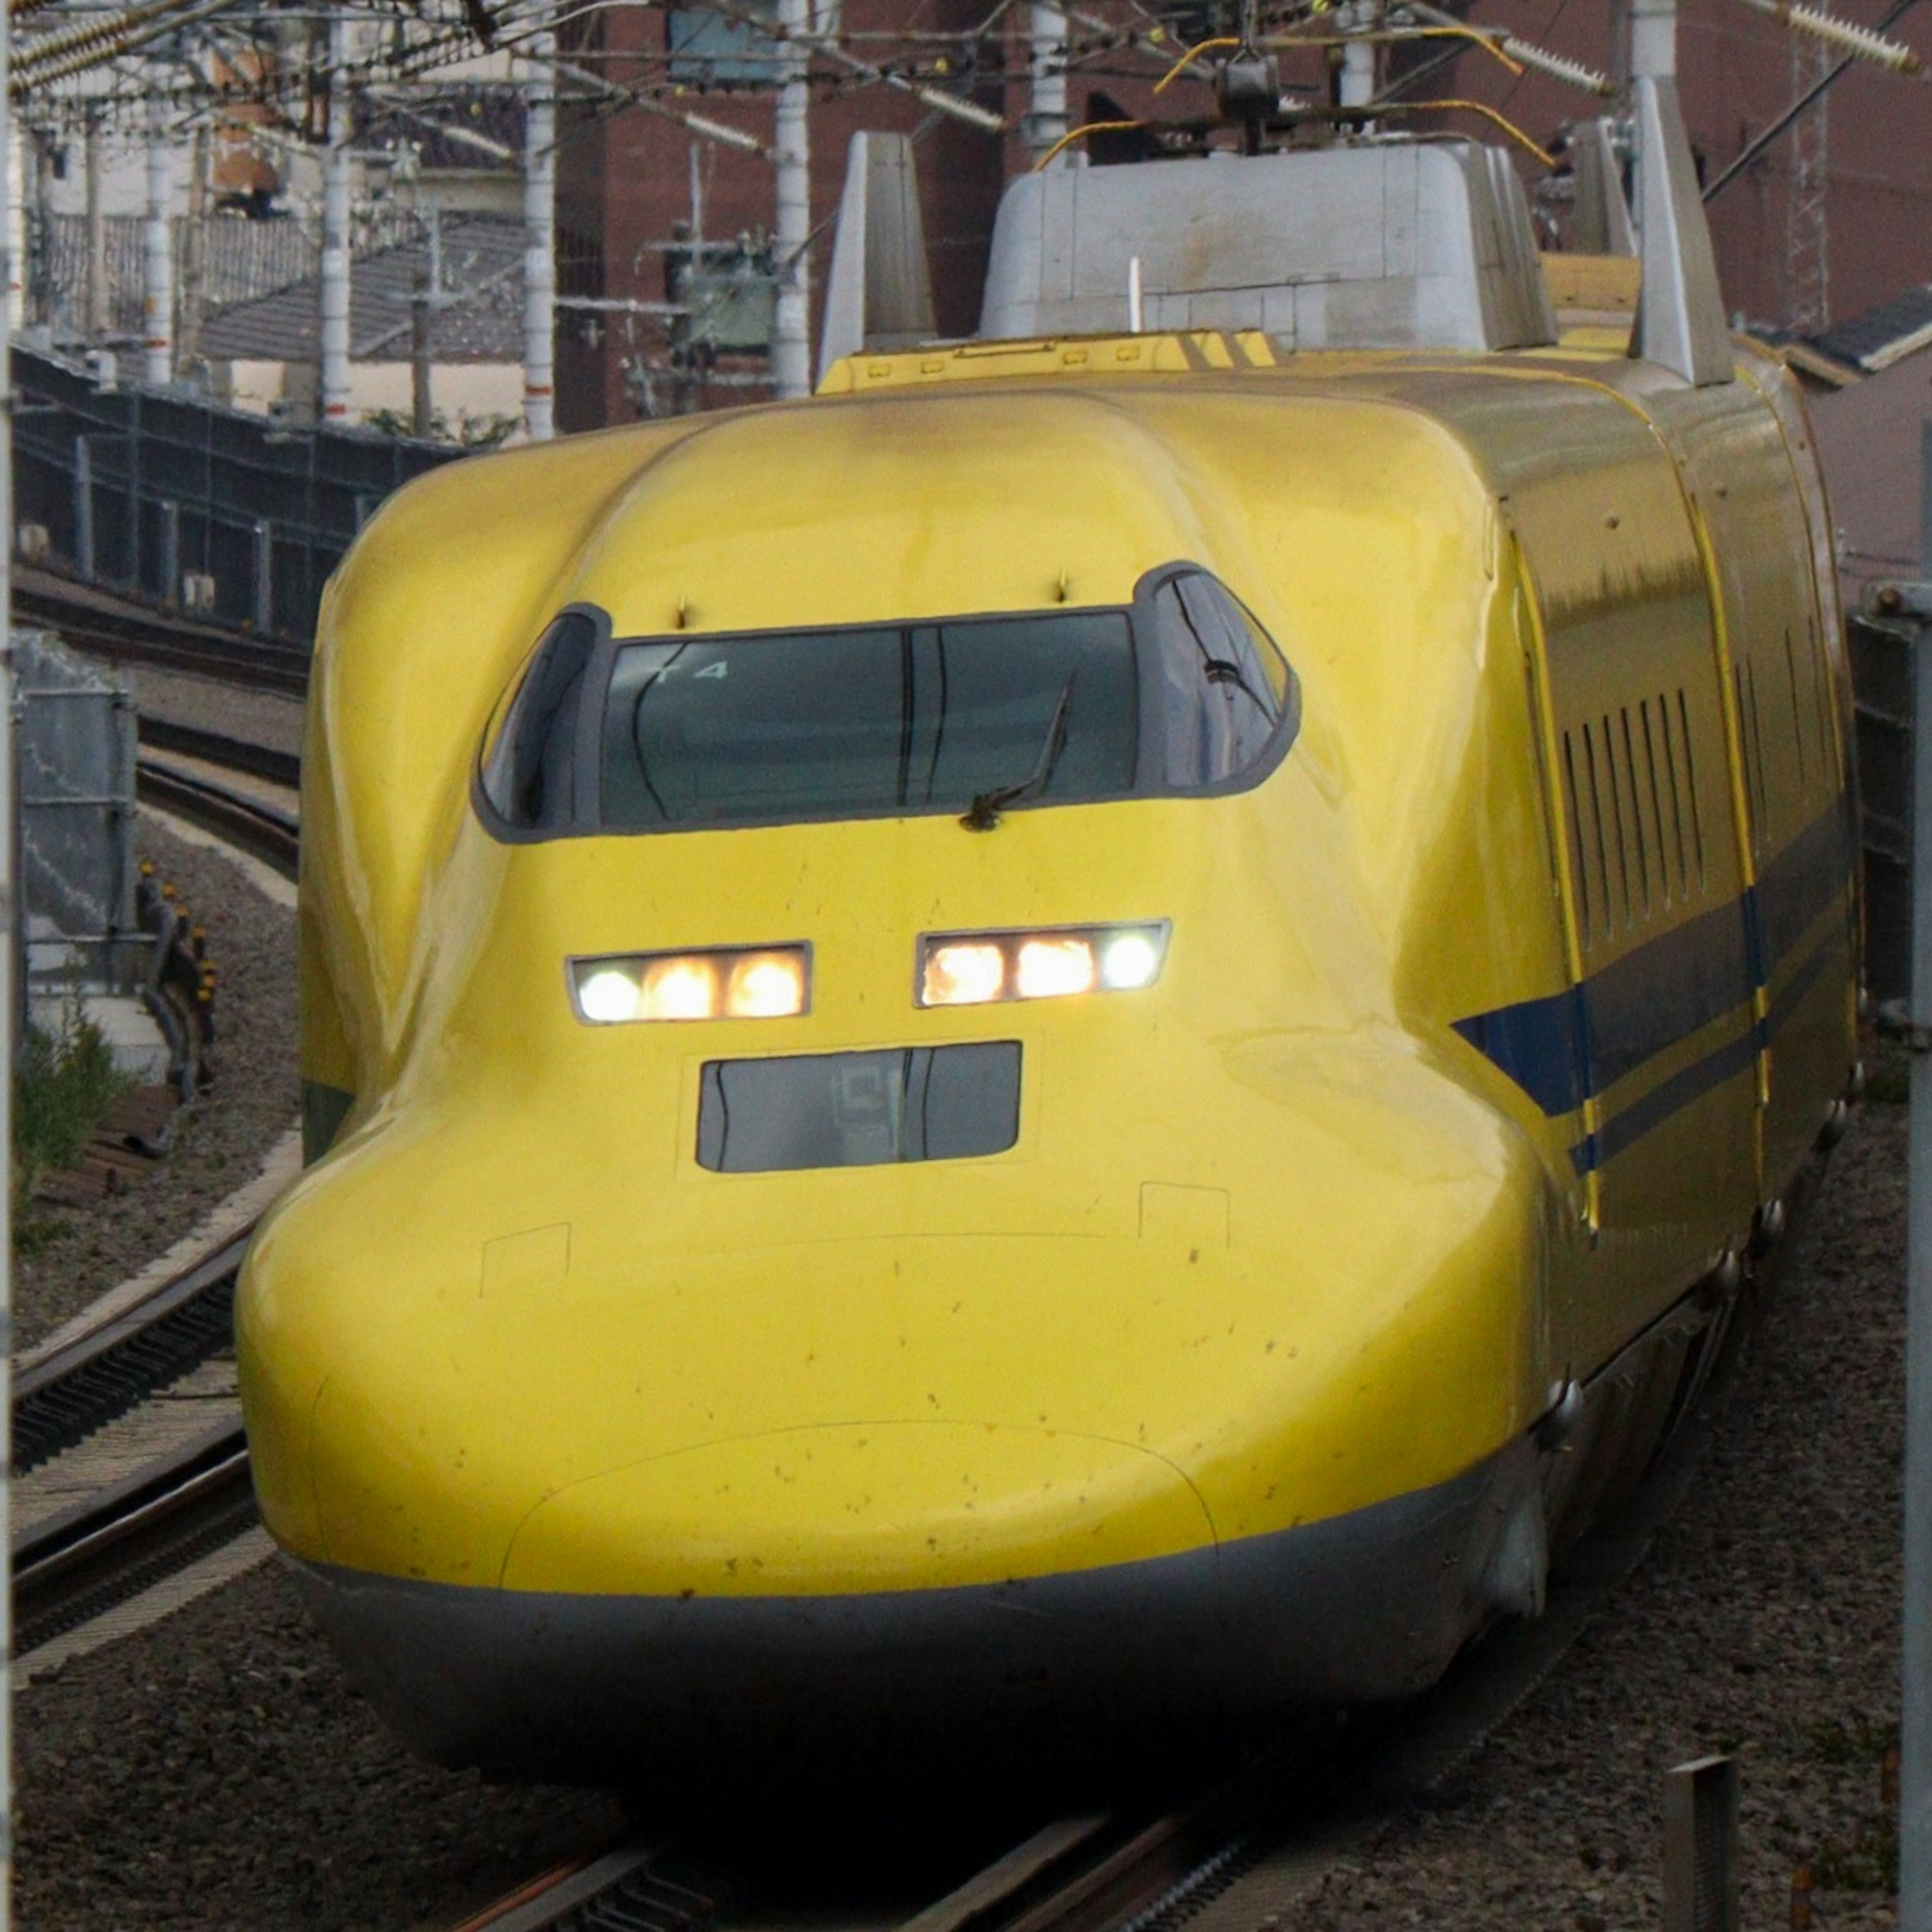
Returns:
(968, 969)
(747, 982)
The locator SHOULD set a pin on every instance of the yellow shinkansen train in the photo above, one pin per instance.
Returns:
(1095, 1024)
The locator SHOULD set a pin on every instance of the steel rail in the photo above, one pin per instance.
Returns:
(74, 1566)
(216, 747)
(66, 1395)
(91, 618)
(263, 830)
(622, 1887)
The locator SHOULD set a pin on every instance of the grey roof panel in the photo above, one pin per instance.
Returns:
(482, 264)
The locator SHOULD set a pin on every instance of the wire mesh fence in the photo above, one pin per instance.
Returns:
(179, 504)
(74, 752)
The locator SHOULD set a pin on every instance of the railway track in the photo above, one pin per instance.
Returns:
(216, 747)
(116, 628)
(265, 831)
(129, 1529)
(73, 1567)
(76, 1390)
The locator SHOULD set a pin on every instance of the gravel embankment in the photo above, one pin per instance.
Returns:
(76, 1253)
(259, 717)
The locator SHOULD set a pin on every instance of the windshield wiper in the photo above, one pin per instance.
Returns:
(984, 812)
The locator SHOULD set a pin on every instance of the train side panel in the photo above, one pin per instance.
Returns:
(1790, 783)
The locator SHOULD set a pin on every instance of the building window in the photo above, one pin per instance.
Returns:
(710, 48)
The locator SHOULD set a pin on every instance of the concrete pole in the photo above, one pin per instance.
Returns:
(422, 408)
(1653, 45)
(1915, 1743)
(22, 182)
(1356, 86)
(791, 344)
(1046, 121)
(157, 256)
(333, 403)
(194, 253)
(99, 318)
(10, 995)
(540, 242)
(423, 307)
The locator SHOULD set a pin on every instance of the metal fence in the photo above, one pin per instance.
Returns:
(177, 503)
(74, 752)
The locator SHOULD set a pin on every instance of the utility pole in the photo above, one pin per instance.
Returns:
(99, 318)
(1915, 1741)
(157, 262)
(540, 242)
(333, 374)
(423, 305)
(791, 346)
(1356, 84)
(1046, 121)
(22, 180)
(10, 993)
(194, 254)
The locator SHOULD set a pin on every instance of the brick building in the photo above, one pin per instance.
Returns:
(634, 187)
(647, 210)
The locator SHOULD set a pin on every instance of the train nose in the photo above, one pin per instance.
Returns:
(858, 1507)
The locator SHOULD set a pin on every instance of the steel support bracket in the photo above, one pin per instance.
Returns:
(1909, 599)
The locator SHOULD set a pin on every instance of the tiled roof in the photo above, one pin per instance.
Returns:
(482, 266)
(1882, 335)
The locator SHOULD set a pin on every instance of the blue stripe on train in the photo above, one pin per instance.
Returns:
(1565, 1046)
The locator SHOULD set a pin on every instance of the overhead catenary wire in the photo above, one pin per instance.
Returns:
(1759, 142)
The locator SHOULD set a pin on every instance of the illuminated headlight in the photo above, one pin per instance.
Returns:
(968, 969)
(754, 983)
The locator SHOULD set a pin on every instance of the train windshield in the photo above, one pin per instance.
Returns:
(1180, 692)
(778, 725)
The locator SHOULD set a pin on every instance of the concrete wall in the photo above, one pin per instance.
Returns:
(457, 389)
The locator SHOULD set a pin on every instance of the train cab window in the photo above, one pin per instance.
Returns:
(528, 772)
(773, 726)
(1225, 689)
(1179, 691)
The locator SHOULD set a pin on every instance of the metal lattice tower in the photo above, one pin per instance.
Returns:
(1807, 232)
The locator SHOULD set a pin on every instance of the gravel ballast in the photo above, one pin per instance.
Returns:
(256, 717)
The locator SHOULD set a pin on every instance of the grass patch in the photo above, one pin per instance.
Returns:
(64, 1084)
